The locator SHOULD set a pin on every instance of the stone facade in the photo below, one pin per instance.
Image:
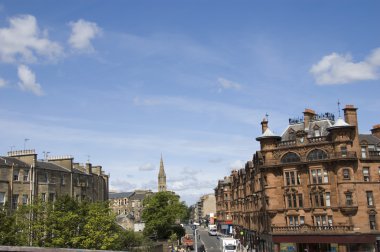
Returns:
(223, 205)
(128, 207)
(24, 178)
(314, 188)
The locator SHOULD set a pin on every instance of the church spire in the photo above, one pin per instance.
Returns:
(161, 177)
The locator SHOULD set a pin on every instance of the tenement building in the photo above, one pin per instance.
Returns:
(128, 207)
(24, 179)
(223, 205)
(313, 188)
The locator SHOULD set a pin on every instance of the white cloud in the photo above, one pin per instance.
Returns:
(236, 165)
(3, 82)
(28, 80)
(82, 34)
(146, 167)
(340, 69)
(23, 41)
(227, 84)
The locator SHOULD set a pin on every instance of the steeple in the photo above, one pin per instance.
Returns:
(161, 177)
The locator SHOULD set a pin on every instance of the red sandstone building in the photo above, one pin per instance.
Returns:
(314, 188)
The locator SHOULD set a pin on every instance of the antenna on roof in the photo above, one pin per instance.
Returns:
(25, 140)
(338, 108)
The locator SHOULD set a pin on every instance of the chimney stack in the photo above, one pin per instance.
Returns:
(308, 115)
(350, 115)
(376, 130)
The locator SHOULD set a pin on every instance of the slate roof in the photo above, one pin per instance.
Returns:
(321, 124)
(139, 195)
(51, 166)
(14, 161)
(370, 139)
(113, 195)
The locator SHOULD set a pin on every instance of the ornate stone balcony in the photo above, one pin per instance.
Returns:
(305, 228)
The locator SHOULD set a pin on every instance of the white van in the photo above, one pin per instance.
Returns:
(212, 230)
(228, 244)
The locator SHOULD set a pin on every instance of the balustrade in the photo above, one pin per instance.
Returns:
(312, 229)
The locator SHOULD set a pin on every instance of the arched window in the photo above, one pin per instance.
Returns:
(290, 157)
(316, 155)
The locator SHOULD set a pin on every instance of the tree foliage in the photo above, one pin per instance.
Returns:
(161, 211)
(66, 223)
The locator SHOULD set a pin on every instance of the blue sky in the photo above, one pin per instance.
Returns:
(120, 82)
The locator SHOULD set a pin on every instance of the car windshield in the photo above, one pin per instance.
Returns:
(230, 247)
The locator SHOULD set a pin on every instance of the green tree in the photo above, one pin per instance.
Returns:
(100, 230)
(161, 211)
(7, 227)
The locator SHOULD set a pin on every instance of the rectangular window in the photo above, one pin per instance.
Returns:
(51, 197)
(346, 173)
(290, 178)
(43, 197)
(317, 176)
(320, 220)
(343, 150)
(14, 201)
(369, 198)
(25, 199)
(289, 200)
(328, 199)
(2, 198)
(364, 152)
(349, 199)
(63, 179)
(314, 176)
(366, 174)
(321, 199)
(372, 222)
(302, 220)
(325, 177)
(330, 220)
(293, 220)
(300, 200)
(294, 200)
(26, 175)
(15, 174)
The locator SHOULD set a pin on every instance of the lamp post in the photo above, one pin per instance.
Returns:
(195, 240)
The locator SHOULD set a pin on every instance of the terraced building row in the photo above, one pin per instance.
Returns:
(24, 178)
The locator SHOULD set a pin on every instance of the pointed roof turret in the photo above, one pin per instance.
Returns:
(267, 134)
(340, 123)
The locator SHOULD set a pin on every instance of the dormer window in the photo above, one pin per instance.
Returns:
(292, 134)
(317, 132)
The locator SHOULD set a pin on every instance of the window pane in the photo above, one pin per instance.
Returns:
(300, 200)
(326, 177)
(369, 199)
(327, 199)
(293, 178)
(314, 175)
